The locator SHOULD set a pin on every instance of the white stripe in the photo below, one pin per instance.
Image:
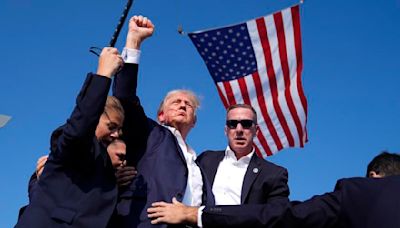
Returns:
(262, 70)
(236, 91)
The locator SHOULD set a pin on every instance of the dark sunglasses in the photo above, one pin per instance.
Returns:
(246, 124)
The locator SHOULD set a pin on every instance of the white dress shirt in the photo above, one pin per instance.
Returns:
(228, 181)
(130, 55)
(194, 187)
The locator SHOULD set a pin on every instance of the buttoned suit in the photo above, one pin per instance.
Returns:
(161, 165)
(77, 187)
(355, 203)
(263, 181)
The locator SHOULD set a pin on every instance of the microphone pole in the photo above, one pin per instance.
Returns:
(121, 22)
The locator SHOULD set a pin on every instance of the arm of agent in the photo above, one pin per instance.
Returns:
(173, 213)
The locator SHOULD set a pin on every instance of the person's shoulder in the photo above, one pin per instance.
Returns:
(270, 165)
(210, 154)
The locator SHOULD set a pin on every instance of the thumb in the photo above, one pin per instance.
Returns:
(175, 201)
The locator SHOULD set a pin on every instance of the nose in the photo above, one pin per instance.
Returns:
(115, 134)
(182, 105)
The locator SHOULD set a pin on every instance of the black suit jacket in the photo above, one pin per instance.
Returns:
(355, 202)
(154, 150)
(263, 181)
(77, 187)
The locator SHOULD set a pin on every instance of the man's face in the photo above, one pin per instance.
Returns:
(117, 151)
(178, 111)
(241, 129)
(109, 127)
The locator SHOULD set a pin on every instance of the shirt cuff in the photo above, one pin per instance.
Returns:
(199, 214)
(131, 55)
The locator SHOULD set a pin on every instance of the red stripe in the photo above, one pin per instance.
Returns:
(286, 74)
(264, 111)
(244, 91)
(299, 57)
(262, 31)
(221, 95)
(258, 152)
(264, 143)
(229, 93)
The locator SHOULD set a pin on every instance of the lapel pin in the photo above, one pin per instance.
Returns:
(255, 170)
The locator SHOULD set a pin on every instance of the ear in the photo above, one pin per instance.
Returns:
(373, 174)
(194, 120)
(161, 117)
(226, 130)
(257, 130)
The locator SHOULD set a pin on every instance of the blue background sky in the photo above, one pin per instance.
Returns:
(351, 79)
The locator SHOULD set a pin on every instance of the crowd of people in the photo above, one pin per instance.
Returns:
(110, 165)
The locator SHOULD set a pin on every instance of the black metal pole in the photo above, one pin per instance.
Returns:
(120, 23)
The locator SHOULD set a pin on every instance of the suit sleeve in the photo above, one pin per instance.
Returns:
(246, 215)
(76, 136)
(319, 211)
(135, 128)
(280, 188)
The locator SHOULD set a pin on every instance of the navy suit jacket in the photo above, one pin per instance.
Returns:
(355, 203)
(263, 181)
(77, 187)
(154, 150)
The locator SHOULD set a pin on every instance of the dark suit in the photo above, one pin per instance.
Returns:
(263, 181)
(161, 165)
(77, 187)
(355, 202)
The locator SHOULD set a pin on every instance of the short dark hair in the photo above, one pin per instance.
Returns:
(243, 106)
(385, 164)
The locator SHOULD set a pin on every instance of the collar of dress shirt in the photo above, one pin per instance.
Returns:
(229, 154)
(182, 142)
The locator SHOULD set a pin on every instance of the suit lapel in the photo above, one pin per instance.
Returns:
(252, 172)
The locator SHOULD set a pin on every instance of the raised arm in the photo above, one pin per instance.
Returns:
(77, 134)
(135, 128)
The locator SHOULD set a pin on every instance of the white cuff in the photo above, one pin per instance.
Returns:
(199, 214)
(131, 55)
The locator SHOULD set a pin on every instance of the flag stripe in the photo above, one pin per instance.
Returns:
(243, 90)
(262, 30)
(246, 98)
(285, 70)
(264, 112)
(229, 93)
(299, 57)
(221, 95)
(262, 123)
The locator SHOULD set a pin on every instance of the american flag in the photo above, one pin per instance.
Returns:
(259, 62)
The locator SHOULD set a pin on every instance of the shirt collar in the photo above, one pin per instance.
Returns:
(178, 135)
(231, 155)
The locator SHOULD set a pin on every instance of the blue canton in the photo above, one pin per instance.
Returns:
(227, 52)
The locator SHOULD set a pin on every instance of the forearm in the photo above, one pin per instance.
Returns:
(89, 106)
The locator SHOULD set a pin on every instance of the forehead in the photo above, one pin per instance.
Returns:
(240, 113)
(115, 116)
(180, 96)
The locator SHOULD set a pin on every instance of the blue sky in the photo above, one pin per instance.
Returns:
(350, 77)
